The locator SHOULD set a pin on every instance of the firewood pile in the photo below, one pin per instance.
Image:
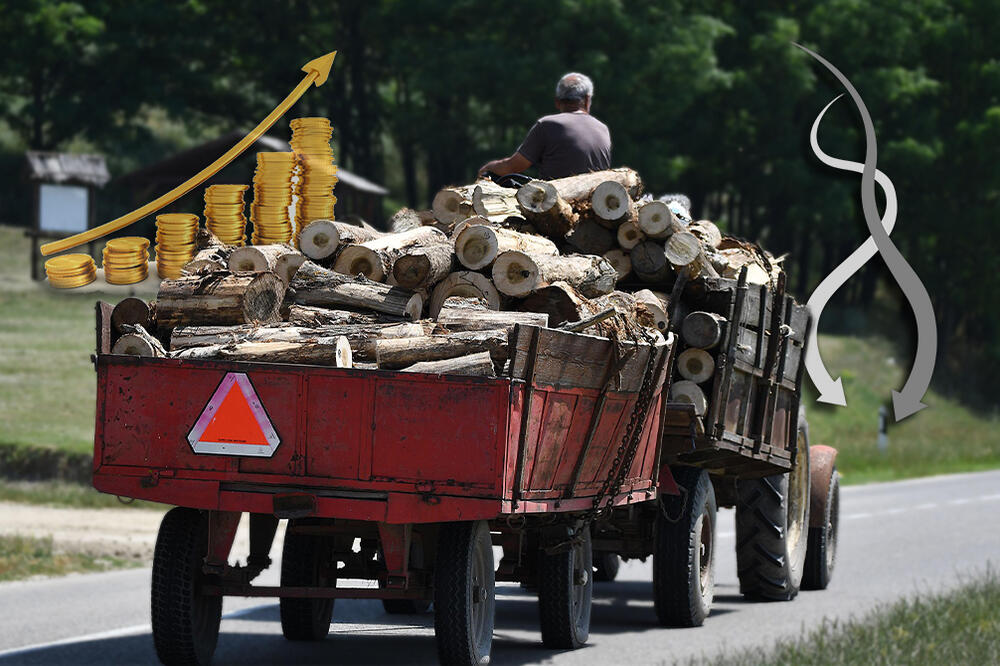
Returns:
(442, 291)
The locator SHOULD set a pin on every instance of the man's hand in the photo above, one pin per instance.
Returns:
(516, 163)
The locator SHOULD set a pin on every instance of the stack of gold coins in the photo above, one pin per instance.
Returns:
(175, 242)
(224, 213)
(272, 194)
(126, 260)
(317, 174)
(71, 270)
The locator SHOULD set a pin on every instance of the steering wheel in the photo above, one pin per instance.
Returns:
(512, 181)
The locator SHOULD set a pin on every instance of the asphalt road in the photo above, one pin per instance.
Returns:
(897, 539)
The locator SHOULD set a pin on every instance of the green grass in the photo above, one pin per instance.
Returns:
(958, 627)
(23, 557)
(47, 387)
(57, 493)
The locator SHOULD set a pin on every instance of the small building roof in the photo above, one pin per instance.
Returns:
(66, 168)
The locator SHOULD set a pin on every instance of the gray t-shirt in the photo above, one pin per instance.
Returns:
(565, 144)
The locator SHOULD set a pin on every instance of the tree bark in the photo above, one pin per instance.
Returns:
(138, 342)
(404, 352)
(649, 262)
(209, 260)
(131, 311)
(518, 273)
(312, 317)
(375, 258)
(560, 301)
(707, 232)
(423, 267)
(589, 237)
(656, 308)
(479, 319)
(493, 202)
(334, 351)
(315, 285)
(322, 238)
(479, 365)
(478, 245)
(219, 298)
(466, 284)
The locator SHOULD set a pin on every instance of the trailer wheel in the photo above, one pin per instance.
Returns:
(606, 565)
(565, 589)
(464, 594)
(772, 519)
(306, 561)
(684, 555)
(821, 554)
(185, 620)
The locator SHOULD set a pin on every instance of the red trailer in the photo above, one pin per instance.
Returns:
(402, 478)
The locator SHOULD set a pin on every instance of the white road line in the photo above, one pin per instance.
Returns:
(928, 505)
(989, 498)
(105, 635)
(855, 516)
(963, 500)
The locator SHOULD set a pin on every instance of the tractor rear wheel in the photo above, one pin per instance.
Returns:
(684, 556)
(565, 590)
(306, 561)
(464, 593)
(185, 620)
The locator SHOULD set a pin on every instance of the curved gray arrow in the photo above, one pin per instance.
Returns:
(907, 401)
(830, 390)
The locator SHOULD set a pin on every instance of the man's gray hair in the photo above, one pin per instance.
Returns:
(574, 86)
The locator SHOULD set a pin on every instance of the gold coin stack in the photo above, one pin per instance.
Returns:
(175, 242)
(71, 270)
(224, 213)
(272, 194)
(126, 260)
(317, 174)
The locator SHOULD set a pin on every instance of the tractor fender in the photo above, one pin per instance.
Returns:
(822, 462)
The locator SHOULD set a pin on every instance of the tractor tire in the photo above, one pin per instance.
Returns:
(684, 555)
(606, 565)
(464, 594)
(772, 529)
(565, 591)
(821, 554)
(185, 621)
(306, 561)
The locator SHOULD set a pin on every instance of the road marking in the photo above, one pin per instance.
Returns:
(989, 498)
(106, 635)
(855, 516)
(928, 505)
(960, 501)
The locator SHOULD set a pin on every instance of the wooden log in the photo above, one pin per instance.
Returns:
(707, 232)
(612, 205)
(312, 317)
(257, 258)
(466, 284)
(545, 209)
(577, 190)
(333, 351)
(322, 238)
(655, 307)
(465, 318)
(424, 266)
(493, 202)
(560, 301)
(478, 245)
(629, 235)
(211, 259)
(695, 365)
(684, 251)
(518, 273)
(374, 259)
(405, 219)
(657, 220)
(649, 262)
(136, 341)
(131, 311)
(589, 237)
(453, 204)
(477, 365)
(619, 260)
(689, 392)
(405, 352)
(219, 298)
(288, 265)
(702, 329)
(315, 285)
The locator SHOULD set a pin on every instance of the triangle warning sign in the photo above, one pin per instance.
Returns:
(234, 422)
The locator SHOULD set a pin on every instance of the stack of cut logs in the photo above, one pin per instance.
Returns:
(441, 292)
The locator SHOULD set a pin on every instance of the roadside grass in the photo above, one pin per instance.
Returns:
(64, 494)
(47, 388)
(24, 557)
(957, 627)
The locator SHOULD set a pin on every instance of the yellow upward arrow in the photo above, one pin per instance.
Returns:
(316, 72)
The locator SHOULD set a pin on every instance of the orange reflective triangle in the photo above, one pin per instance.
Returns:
(234, 422)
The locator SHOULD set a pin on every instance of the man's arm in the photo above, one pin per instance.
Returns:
(516, 163)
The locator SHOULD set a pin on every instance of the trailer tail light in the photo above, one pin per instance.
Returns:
(234, 422)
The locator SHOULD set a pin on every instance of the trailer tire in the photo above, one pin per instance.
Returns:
(606, 566)
(772, 519)
(185, 621)
(306, 561)
(684, 555)
(565, 590)
(464, 593)
(821, 553)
